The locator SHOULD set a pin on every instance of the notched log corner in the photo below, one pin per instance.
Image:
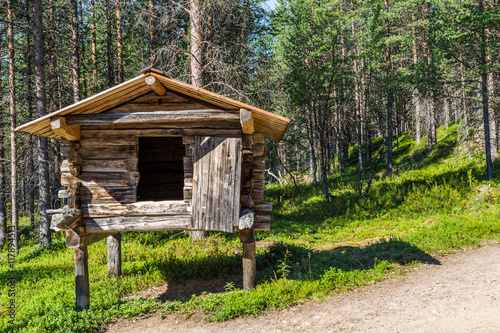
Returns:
(65, 218)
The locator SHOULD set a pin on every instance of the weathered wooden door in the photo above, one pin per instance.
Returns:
(216, 183)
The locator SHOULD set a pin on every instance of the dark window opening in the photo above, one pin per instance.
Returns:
(161, 169)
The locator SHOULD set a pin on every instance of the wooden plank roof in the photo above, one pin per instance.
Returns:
(272, 125)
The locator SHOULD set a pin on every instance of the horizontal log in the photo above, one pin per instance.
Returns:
(258, 138)
(257, 196)
(123, 165)
(229, 133)
(188, 194)
(246, 201)
(104, 133)
(107, 152)
(262, 225)
(187, 140)
(188, 164)
(264, 208)
(143, 208)
(110, 140)
(99, 194)
(143, 223)
(258, 184)
(89, 179)
(262, 218)
(153, 98)
(247, 155)
(149, 118)
(259, 149)
(247, 141)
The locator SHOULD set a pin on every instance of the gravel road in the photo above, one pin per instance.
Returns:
(460, 295)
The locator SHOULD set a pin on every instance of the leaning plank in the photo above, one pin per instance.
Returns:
(145, 208)
(103, 119)
(144, 223)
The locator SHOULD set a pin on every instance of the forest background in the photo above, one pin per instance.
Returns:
(344, 72)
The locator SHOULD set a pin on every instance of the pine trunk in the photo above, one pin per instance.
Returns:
(119, 42)
(12, 111)
(75, 55)
(43, 167)
(152, 41)
(95, 84)
(196, 43)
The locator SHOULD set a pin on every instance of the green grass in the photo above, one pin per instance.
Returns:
(436, 202)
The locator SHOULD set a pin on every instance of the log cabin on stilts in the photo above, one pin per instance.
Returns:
(155, 154)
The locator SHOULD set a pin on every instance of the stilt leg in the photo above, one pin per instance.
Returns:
(247, 237)
(82, 277)
(115, 255)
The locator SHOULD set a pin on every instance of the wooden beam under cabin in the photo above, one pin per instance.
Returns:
(246, 120)
(59, 126)
(204, 117)
(157, 87)
(137, 223)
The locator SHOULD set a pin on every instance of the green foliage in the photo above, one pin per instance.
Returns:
(436, 202)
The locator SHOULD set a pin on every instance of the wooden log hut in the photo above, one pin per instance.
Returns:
(155, 154)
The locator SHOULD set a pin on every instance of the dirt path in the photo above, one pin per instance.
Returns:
(460, 295)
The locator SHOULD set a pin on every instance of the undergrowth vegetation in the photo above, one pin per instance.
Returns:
(436, 202)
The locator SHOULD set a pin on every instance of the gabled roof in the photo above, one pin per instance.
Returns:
(272, 125)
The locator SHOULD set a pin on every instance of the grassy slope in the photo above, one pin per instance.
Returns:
(437, 202)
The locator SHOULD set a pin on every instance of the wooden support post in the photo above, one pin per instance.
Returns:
(82, 277)
(115, 255)
(247, 237)
(158, 88)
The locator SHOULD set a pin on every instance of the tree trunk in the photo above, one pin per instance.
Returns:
(43, 168)
(466, 116)
(196, 43)
(109, 50)
(152, 41)
(492, 117)
(446, 107)
(119, 42)
(12, 111)
(431, 121)
(75, 53)
(389, 101)
(95, 84)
